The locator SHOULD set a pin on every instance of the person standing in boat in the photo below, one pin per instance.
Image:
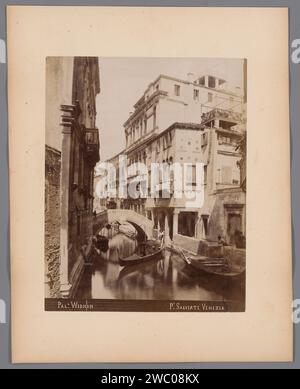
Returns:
(95, 245)
(222, 243)
(161, 236)
(101, 244)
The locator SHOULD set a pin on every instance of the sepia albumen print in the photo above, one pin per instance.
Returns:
(145, 184)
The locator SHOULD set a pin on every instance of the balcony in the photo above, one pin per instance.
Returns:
(92, 144)
(221, 114)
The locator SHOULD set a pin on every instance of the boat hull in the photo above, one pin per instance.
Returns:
(135, 259)
(213, 267)
(222, 271)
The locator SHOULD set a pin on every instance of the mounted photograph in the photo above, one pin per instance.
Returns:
(145, 184)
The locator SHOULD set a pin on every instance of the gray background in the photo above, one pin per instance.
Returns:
(294, 15)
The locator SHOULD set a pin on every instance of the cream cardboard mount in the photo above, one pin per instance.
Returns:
(262, 331)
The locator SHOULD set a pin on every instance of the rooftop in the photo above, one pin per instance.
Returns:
(142, 101)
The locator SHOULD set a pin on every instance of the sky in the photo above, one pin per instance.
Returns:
(124, 80)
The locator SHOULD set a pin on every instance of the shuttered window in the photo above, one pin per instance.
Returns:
(226, 175)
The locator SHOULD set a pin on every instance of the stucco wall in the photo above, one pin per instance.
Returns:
(218, 221)
(188, 146)
(59, 79)
(228, 161)
(183, 107)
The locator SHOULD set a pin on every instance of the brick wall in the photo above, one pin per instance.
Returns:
(52, 222)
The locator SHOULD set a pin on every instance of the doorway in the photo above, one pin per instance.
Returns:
(234, 227)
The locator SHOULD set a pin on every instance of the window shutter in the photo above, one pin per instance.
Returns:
(226, 175)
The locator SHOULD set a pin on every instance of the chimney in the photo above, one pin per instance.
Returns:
(191, 77)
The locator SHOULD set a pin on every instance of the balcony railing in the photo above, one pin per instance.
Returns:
(91, 137)
(222, 114)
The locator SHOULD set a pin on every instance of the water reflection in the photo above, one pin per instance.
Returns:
(166, 278)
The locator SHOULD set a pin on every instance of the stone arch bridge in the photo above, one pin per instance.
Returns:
(109, 216)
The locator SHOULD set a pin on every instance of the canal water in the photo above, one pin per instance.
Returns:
(166, 278)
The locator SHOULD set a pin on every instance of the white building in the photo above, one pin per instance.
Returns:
(168, 100)
(190, 121)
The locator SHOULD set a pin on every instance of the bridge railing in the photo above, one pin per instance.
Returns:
(112, 215)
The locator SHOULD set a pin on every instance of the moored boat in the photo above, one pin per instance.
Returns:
(223, 270)
(217, 267)
(141, 267)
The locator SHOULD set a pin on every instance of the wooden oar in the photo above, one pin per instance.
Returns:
(187, 260)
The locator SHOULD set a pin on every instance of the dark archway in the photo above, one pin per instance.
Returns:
(141, 234)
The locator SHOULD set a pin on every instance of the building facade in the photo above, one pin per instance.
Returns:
(72, 151)
(189, 122)
(168, 100)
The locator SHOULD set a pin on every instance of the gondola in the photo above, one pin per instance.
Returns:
(215, 267)
(151, 250)
(137, 268)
